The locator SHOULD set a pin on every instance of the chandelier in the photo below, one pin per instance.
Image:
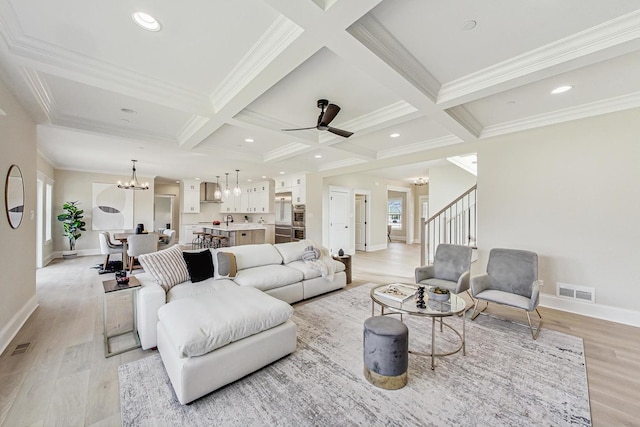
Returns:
(420, 182)
(133, 184)
(237, 190)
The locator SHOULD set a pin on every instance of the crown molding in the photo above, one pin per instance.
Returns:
(592, 109)
(47, 57)
(284, 152)
(341, 164)
(419, 146)
(40, 90)
(192, 126)
(107, 129)
(375, 37)
(372, 121)
(606, 35)
(275, 40)
(467, 120)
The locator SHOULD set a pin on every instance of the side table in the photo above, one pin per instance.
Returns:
(112, 287)
(346, 260)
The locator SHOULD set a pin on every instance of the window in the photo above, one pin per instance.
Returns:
(395, 214)
(47, 213)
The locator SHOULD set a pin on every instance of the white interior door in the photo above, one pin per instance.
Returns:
(338, 221)
(361, 222)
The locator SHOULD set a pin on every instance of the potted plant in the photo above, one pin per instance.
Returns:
(73, 224)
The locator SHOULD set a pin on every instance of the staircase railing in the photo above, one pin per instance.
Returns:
(456, 224)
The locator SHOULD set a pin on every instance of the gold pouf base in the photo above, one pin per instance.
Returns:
(385, 382)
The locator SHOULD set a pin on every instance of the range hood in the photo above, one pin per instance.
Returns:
(207, 190)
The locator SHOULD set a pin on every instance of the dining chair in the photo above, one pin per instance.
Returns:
(139, 244)
(108, 248)
(169, 238)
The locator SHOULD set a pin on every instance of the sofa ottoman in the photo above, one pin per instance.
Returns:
(215, 339)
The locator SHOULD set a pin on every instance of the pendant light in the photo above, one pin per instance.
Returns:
(133, 184)
(217, 194)
(226, 189)
(237, 190)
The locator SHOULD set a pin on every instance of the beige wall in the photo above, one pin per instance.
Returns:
(571, 193)
(71, 185)
(18, 256)
(446, 183)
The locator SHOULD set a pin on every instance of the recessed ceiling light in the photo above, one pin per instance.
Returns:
(248, 140)
(318, 156)
(394, 135)
(146, 21)
(197, 179)
(561, 89)
(282, 173)
(264, 177)
(177, 182)
(249, 180)
(469, 25)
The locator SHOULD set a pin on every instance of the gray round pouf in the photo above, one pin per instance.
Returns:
(386, 352)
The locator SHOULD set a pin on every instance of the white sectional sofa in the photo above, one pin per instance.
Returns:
(277, 270)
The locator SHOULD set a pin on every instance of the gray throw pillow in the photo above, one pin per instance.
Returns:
(310, 254)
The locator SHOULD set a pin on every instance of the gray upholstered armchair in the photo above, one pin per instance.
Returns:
(511, 279)
(450, 269)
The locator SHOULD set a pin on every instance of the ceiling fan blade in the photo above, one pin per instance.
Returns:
(330, 114)
(286, 130)
(344, 133)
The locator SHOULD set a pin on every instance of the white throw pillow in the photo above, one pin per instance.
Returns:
(167, 266)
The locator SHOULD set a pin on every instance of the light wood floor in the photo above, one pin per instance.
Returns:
(63, 378)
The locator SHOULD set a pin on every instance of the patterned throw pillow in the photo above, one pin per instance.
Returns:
(226, 265)
(167, 267)
(310, 254)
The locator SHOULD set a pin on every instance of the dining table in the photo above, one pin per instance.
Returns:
(122, 238)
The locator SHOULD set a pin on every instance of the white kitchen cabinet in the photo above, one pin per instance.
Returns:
(299, 195)
(190, 196)
(229, 203)
(298, 179)
(283, 184)
(255, 198)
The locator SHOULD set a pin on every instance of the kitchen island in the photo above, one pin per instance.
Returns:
(238, 234)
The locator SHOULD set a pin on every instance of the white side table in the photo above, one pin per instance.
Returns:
(112, 287)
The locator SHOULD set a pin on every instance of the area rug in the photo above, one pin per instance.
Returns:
(506, 378)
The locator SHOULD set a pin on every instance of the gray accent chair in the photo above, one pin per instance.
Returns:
(450, 269)
(511, 279)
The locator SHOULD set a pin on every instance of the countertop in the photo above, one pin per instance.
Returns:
(235, 227)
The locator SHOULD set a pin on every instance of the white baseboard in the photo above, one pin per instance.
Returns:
(15, 324)
(599, 311)
(82, 252)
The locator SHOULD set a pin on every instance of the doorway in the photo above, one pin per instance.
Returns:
(163, 211)
(339, 236)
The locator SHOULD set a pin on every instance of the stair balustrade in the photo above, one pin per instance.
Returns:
(455, 224)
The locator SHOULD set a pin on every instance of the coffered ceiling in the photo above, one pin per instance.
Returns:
(212, 90)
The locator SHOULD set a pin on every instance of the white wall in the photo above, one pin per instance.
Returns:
(571, 193)
(446, 183)
(18, 253)
(72, 185)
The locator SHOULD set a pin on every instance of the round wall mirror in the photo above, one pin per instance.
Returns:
(14, 196)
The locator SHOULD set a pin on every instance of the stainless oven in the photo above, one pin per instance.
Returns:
(298, 217)
(297, 233)
(283, 234)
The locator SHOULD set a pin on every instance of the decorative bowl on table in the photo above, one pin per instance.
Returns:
(438, 294)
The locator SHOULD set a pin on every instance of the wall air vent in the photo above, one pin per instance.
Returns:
(579, 293)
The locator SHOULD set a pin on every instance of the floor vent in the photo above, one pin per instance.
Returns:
(21, 348)
(580, 293)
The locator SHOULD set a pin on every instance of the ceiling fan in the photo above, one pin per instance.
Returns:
(329, 112)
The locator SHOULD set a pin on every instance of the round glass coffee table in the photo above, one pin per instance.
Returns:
(436, 310)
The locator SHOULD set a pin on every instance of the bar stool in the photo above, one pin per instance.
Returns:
(208, 240)
(215, 241)
(223, 242)
(198, 240)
